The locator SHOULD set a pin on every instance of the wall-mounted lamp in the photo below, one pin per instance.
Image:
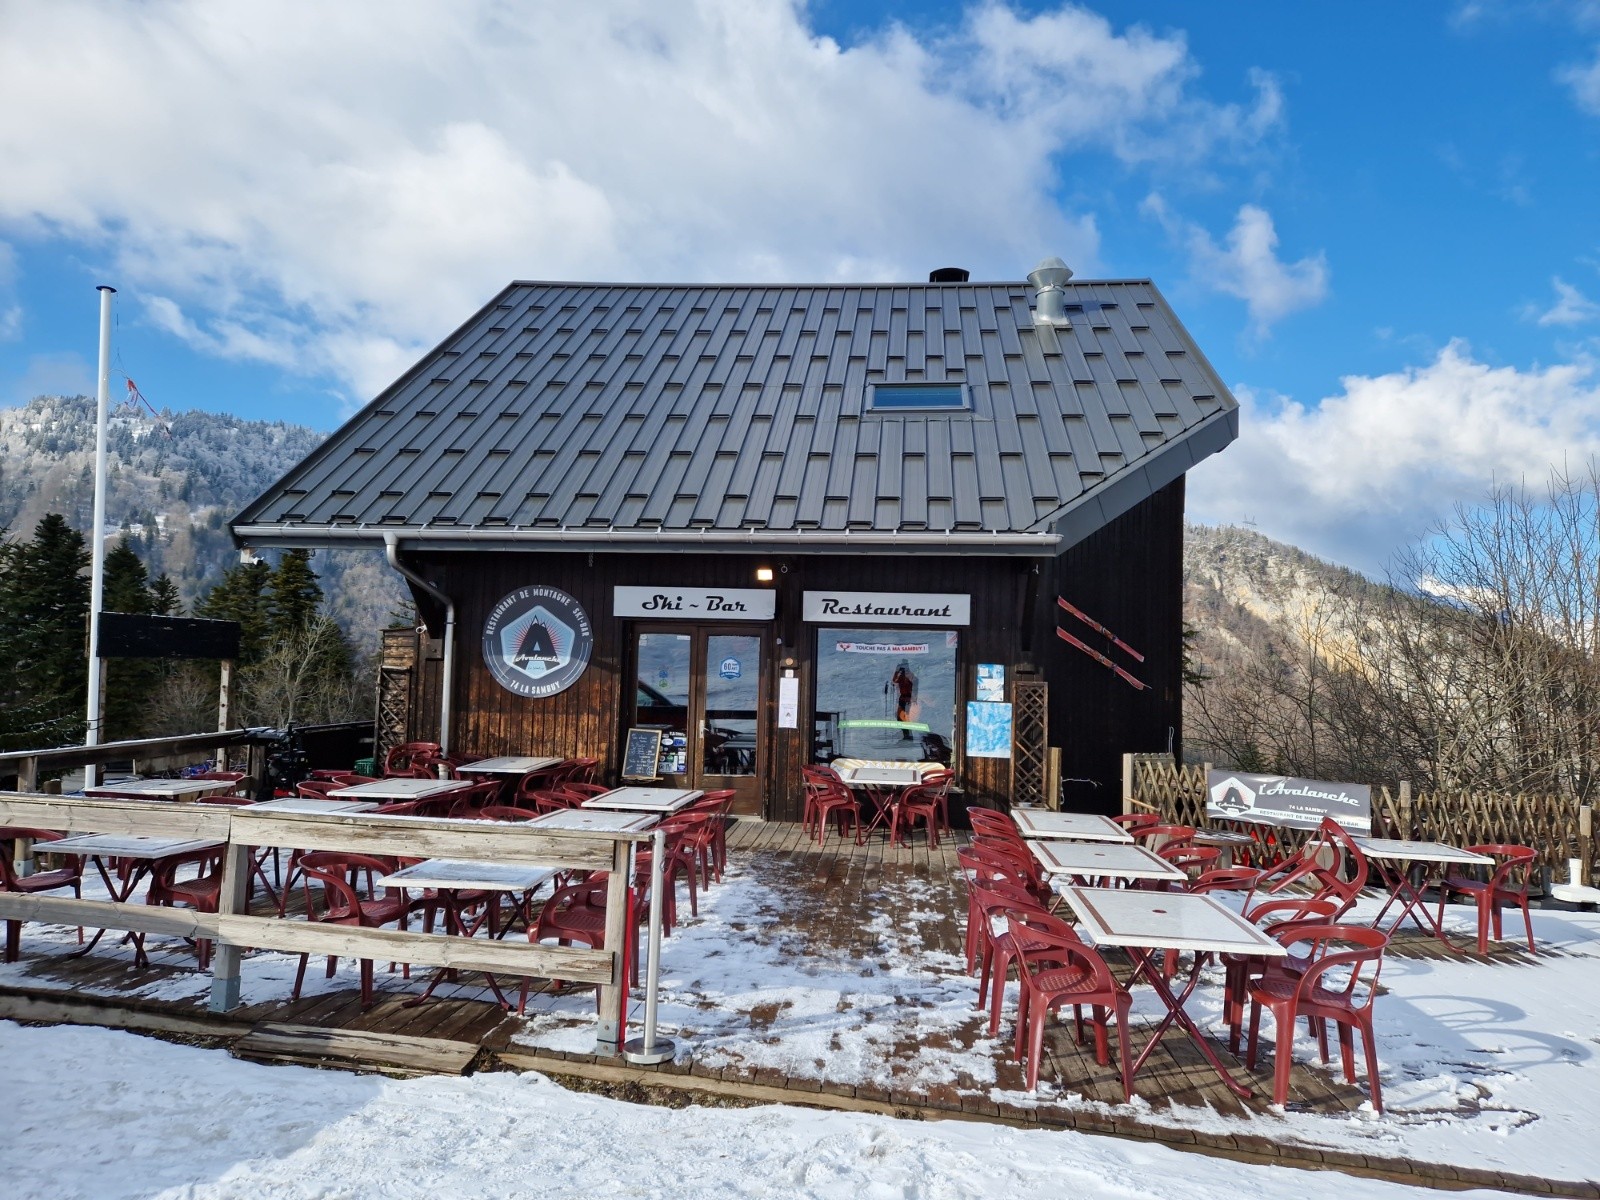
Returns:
(763, 574)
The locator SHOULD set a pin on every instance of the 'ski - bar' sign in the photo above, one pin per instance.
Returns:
(1287, 802)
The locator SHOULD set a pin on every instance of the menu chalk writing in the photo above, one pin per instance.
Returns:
(643, 752)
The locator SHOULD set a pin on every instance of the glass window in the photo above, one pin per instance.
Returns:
(733, 686)
(897, 396)
(886, 694)
(662, 695)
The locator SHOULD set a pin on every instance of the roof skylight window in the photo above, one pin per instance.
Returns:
(918, 397)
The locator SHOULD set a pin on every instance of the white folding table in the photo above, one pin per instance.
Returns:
(1076, 827)
(398, 789)
(510, 764)
(1144, 923)
(449, 878)
(308, 804)
(1395, 858)
(1099, 860)
(596, 820)
(159, 789)
(141, 849)
(661, 801)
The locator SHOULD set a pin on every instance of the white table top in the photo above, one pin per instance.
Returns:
(450, 873)
(1167, 921)
(397, 789)
(899, 776)
(643, 799)
(307, 804)
(1080, 827)
(1100, 860)
(509, 764)
(160, 789)
(1399, 850)
(595, 820)
(125, 845)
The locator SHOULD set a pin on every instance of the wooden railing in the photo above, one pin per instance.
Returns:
(233, 930)
(1558, 829)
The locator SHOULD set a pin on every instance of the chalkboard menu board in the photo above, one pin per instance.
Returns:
(642, 754)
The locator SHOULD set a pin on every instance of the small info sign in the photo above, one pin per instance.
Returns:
(1287, 802)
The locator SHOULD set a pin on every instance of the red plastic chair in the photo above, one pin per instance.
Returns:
(1163, 837)
(988, 872)
(398, 761)
(1345, 999)
(837, 801)
(918, 802)
(1058, 969)
(1133, 821)
(317, 789)
(999, 949)
(69, 876)
(1321, 865)
(1240, 969)
(1508, 883)
(576, 916)
(201, 893)
(336, 902)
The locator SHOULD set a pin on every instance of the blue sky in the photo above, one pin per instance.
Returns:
(1378, 220)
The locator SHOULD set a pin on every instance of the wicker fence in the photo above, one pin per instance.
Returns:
(1558, 829)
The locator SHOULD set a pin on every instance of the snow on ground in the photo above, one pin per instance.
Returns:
(111, 1114)
(1488, 1065)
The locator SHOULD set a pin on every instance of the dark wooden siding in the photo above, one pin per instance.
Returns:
(1128, 576)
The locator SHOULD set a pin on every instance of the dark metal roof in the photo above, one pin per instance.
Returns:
(735, 416)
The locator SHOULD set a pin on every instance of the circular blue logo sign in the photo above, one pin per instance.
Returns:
(537, 641)
(730, 669)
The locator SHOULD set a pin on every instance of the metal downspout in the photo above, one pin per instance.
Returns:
(391, 547)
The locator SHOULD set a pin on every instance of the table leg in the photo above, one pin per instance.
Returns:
(1410, 897)
(1147, 964)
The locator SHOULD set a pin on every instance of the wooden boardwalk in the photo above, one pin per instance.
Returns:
(827, 891)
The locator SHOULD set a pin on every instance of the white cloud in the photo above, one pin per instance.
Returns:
(1355, 476)
(1585, 84)
(1572, 307)
(1247, 265)
(337, 186)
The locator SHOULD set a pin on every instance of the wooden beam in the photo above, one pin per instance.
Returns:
(74, 814)
(103, 914)
(426, 837)
(313, 1043)
(620, 927)
(232, 899)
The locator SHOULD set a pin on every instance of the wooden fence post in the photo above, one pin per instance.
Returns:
(619, 941)
(1586, 843)
(233, 898)
(1127, 783)
(1407, 825)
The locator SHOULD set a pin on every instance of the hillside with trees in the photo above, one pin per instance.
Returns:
(1474, 668)
(175, 479)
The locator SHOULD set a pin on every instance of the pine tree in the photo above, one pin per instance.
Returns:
(129, 681)
(242, 596)
(165, 601)
(296, 596)
(44, 607)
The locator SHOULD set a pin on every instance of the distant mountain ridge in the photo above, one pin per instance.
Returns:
(173, 485)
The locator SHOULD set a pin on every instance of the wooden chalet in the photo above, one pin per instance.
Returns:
(783, 524)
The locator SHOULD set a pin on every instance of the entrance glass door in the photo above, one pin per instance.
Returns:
(702, 687)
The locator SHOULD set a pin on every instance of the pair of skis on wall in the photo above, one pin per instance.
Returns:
(1095, 654)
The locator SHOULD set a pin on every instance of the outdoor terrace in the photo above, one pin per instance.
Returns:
(833, 976)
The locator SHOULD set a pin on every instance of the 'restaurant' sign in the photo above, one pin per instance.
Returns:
(537, 641)
(695, 604)
(888, 608)
(1290, 803)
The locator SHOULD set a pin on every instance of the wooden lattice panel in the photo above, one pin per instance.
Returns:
(1550, 824)
(394, 704)
(1030, 751)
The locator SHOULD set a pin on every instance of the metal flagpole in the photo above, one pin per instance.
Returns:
(97, 543)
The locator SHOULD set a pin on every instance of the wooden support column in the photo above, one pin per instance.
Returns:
(619, 941)
(226, 955)
(1127, 783)
(225, 686)
(1586, 843)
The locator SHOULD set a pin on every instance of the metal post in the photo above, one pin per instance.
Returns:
(97, 559)
(649, 1050)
